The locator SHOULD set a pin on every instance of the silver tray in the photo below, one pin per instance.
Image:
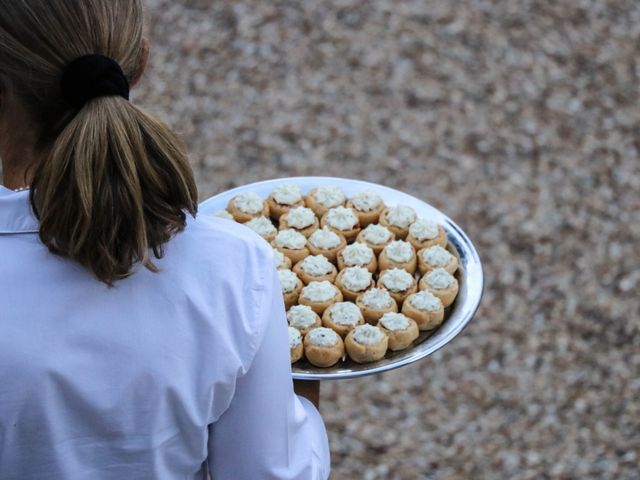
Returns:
(457, 316)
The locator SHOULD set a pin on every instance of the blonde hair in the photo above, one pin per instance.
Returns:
(111, 182)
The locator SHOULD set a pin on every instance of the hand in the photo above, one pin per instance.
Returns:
(309, 389)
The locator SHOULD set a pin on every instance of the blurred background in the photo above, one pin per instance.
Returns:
(517, 118)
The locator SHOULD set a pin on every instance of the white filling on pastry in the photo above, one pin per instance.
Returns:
(437, 256)
(401, 216)
(357, 254)
(396, 279)
(316, 265)
(377, 299)
(345, 313)
(249, 202)
(367, 334)
(324, 238)
(395, 321)
(399, 251)
(426, 301)
(262, 226)
(319, 291)
(440, 279)
(329, 196)
(356, 279)
(300, 217)
(342, 218)
(291, 239)
(278, 258)
(223, 214)
(287, 194)
(323, 337)
(288, 280)
(376, 234)
(423, 229)
(301, 316)
(366, 201)
(295, 338)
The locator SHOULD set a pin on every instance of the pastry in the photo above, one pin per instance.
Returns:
(357, 255)
(342, 220)
(436, 257)
(295, 344)
(399, 282)
(319, 295)
(442, 284)
(300, 219)
(323, 347)
(425, 308)
(352, 281)
(398, 219)
(283, 198)
(263, 227)
(246, 206)
(377, 237)
(367, 205)
(374, 303)
(293, 244)
(280, 260)
(325, 241)
(303, 318)
(398, 254)
(223, 214)
(315, 268)
(323, 198)
(291, 287)
(400, 329)
(342, 317)
(366, 343)
(424, 233)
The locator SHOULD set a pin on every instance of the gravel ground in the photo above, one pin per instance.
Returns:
(520, 120)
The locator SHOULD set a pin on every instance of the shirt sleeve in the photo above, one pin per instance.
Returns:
(268, 432)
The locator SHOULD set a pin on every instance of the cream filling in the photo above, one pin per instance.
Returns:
(399, 251)
(437, 256)
(288, 280)
(301, 316)
(376, 234)
(439, 279)
(262, 226)
(278, 258)
(423, 229)
(295, 338)
(426, 301)
(291, 239)
(316, 265)
(319, 291)
(357, 254)
(396, 279)
(366, 201)
(345, 313)
(324, 238)
(249, 202)
(323, 337)
(377, 299)
(300, 217)
(356, 279)
(342, 218)
(395, 321)
(223, 214)
(367, 334)
(401, 216)
(329, 196)
(287, 194)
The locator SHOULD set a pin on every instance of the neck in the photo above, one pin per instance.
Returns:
(14, 174)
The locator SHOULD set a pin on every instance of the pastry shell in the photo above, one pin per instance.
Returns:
(399, 297)
(295, 255)
(446, 295)
(308, 278)
(385, 262)
(320, 307)
(441, 239)
(372, 266)
(401, 339)
(425, 267)
(303, 331)
(243, 217)
(276, 210)
(372, 315)
(366, 218)
(316, 206)
(323, 356)
(349, 235)
(400, 233)
(376, 247)
(307, 231)
(331, 253)
(342, 330)
(286, 265)
(350, 295)
(361, 353)
(426, 320)
(296, 352)
(291, 298)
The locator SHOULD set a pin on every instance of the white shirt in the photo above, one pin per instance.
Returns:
(162, 377)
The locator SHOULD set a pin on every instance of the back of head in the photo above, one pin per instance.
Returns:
(110, 183)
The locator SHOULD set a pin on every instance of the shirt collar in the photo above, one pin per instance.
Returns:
(16, 215)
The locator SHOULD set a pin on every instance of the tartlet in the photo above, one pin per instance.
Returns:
(437, 257)
(425, 308)
(366, 343)
(352, 281)
(246, 206)
(367, 205)
(323, 198)
(357, 255)
(398, 254)
(280, 260)
(342, 220)
(323, 347)
(442, 284)
(300, 219)
(399, 282)
(295, 344)
(293, 244)
(263, 227)
(376, 237)
(424, 233)
(400, 329)
(398, 219)
(291, 287)
(325, 241)
(374, 303)
(342, 317)
(283, 198)
(303, 318)
(315, 268)
(319, 295)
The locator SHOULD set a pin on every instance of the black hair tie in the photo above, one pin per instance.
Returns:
(92, 76)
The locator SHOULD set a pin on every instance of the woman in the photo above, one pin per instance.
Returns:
(137, 339)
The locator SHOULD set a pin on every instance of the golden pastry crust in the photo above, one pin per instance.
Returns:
(320, 307)
(308, 278)
(296, 352)
(361, 353)
(373, 315)
(276, 210)
(386, 263)
(317, 323)
(291, 298)
(295, 255)
(323, 356)
(441, 239)
(401, 339)
(425, 268)
(307, 231)
(446, 295)
(426, 320)
(243, 217)
(372, 266)
(377, 248)
(349, 235)
(350, 295)
(331, 253)
(400, 233)
(342, 330)
(366, 218)
(316, 206)
(399, 297)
